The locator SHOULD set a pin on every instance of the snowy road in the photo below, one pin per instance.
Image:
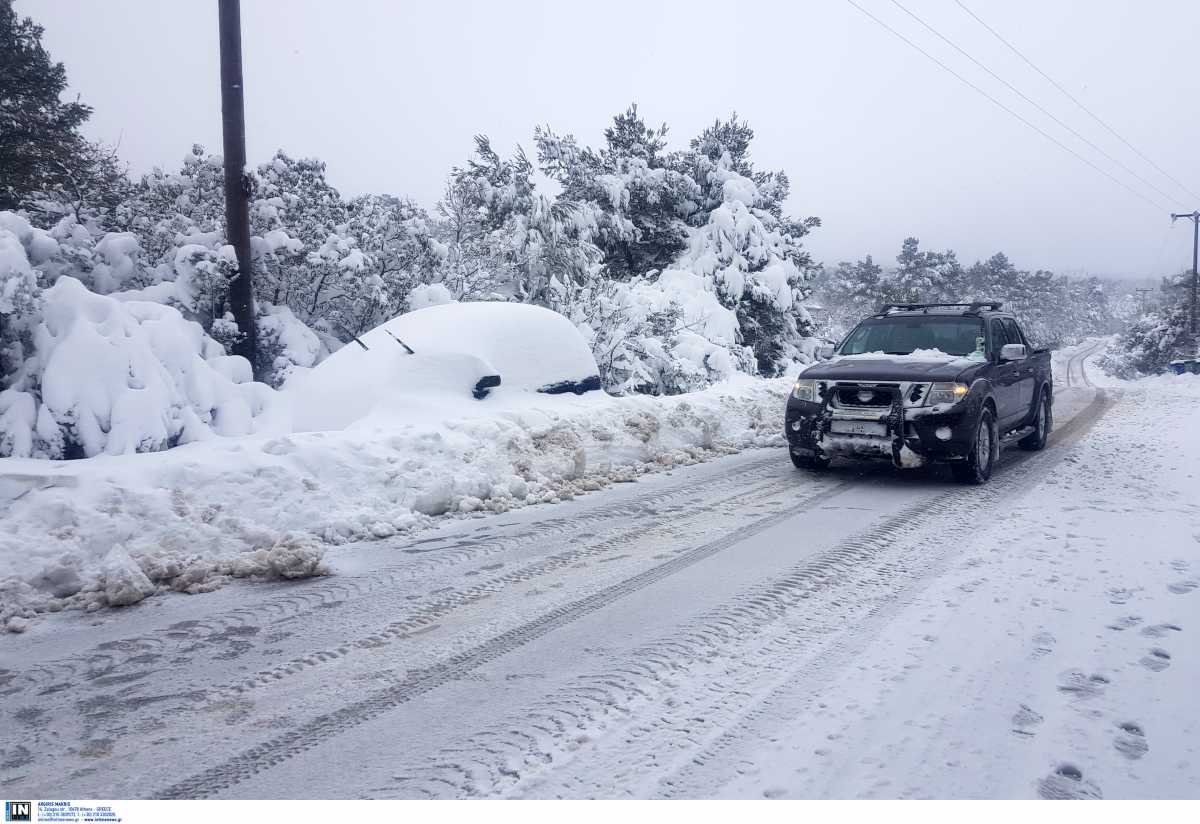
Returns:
(735, 628)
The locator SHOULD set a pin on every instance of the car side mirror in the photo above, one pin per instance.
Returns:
(1012, 352)
(825, 352)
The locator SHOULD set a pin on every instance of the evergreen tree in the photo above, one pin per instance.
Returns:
(631, 190)
(509, 239)
(851, 292)
(915, 279)
(40, 145)
(949, 278)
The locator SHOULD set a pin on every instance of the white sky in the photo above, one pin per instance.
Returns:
(878, 142)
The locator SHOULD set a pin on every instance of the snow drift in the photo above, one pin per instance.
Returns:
(112, 529)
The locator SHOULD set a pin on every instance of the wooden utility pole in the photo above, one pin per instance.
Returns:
(237, 184)
(1194, 217)
(1142, 300)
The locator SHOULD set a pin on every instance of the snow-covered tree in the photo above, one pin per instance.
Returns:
(851, 291)
(633, 193)
(915, 279)
(1150, 343)
(397, 239)
(504, 237)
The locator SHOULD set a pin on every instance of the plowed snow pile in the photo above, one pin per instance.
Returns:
(111, 530)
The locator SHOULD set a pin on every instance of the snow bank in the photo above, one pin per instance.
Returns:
(110, 530)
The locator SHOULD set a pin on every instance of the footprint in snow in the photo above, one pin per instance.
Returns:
(1182, 587)
(1157, 660)
(1159, 630)
(1125, 622)
(1119, 595)
(1025, 719)
(1043, 644)
(1067, 783)
(1081, 684)
(1131, 740)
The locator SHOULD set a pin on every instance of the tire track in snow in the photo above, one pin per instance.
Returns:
(433, 555)
(322, 728)
(727, 625)
(423, 619)
(854, 582)
(1076, 363)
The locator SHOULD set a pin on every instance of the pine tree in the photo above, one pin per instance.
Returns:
(41, 148)
(852, 291)
(509, 239)
(632, 190)
(915, 279)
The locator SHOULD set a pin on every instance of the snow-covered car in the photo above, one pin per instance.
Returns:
(441, 358)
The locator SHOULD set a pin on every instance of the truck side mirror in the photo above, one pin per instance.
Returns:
(825, 352)
(1012, 352)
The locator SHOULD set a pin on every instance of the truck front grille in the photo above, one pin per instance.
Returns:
(867, 396)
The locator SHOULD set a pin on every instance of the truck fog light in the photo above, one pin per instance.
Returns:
(943, 433)
(795, 426)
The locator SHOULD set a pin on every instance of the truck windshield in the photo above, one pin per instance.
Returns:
(904, 335)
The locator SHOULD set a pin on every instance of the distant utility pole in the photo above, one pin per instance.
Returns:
(1142, 298)
(237, 184)
(1194, 217)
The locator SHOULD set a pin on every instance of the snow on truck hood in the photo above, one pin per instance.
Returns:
(454, 345)
(928, 363)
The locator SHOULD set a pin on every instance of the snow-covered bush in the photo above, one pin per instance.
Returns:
(110, 376)
(285, 344)
(84, 373)
(1148, 345)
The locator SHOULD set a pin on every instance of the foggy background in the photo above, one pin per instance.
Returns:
(878, 142)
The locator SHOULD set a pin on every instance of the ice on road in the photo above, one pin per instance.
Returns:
(736, 628)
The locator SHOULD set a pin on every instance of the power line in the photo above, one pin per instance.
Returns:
(1073, 99)
(1030, 101)
(1009, 111)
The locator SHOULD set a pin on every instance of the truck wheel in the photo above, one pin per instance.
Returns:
(809, 462)
(977, 468)
(1042, 423)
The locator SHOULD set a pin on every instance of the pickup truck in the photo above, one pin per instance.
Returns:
(915, 383)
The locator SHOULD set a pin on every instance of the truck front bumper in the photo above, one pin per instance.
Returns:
(908, 437)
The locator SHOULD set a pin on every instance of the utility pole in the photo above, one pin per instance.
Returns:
(237, 184)
(1142, 299)
(1194, 217)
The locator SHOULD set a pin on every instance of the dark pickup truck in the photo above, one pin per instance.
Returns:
(924, 382)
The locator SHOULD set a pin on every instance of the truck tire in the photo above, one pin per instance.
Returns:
(985, 449)
(810, 462)
(1043, 421)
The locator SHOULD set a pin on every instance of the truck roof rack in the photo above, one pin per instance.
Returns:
(970, 308)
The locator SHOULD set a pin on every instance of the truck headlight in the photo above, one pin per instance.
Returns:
(805, 390)
(946, 393)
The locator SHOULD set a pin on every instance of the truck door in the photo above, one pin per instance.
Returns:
(1027, 373)
(1006, 378)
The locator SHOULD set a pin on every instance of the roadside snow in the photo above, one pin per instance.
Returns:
(113, 529)
(1079, 683)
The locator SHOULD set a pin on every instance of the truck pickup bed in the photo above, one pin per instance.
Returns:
(924, 382)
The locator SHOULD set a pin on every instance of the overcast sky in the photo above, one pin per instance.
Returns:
(879, 142)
